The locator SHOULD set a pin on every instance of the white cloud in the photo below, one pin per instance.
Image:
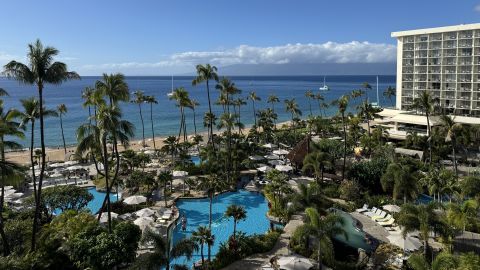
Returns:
(477, 8)
(329, 52)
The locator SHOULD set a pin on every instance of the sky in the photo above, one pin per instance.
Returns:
(154, 37)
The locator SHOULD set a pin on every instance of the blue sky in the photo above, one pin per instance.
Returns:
(164, 37)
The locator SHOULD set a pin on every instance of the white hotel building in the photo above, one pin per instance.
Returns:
(443, 60)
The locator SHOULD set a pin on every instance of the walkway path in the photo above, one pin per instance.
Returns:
(371, 227)
(281, 248)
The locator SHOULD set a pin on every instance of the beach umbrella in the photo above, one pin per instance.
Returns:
(179, 173)
(149, 152)
(104, 217)
(264, 169)
(14, 195)
(56, 165)
(256, 158)
(294, 263)
(71, 162)
(272, 157)
(284, 168)
(74, 168)
(408, 243)
(391, 208)
(281, 152)
(56, 175)
(8, 187)
(276, 162)
(268, 145)
(137, 199)
(143, 222)
(145, 212)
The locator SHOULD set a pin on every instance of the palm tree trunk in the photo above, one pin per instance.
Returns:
(429, 134)
(32, 160)
(143, 125)
(194, 122)
(210, 139)
(344, 146)
(107, 195)
(153, 131)
(201, 254)
(274, 120)
(210, 218)
(454, 144)
(63, 136)
(234, 228)
(6, 246)
(36, 216)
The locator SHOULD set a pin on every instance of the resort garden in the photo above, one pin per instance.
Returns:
(323, 192)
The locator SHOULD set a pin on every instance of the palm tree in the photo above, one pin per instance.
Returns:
(180, 95)
(291, 106)
(205, 73)
(164, 178)
(193, 105)
(319, 97)
(139, 99)
(324, 229)
(426, 103)
(463, 213)
(253, 97)
(239, 102)
(237, 213)
(114, 87)
(443, 261)
(87, 95)
(204, 236)
(272, 99)
(164, 251)
(366, 87)
(40, 70)
(310, 95)
(62, 109)
(342, 104)
(227, 120)
(317, 162)
(151, 100)
(401, 178)
(452, 132)
(212, 184)
(389, 93)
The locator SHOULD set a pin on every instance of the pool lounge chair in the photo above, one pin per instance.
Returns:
(381, 215)
(387, 218)
(363, 209)
(387, 223)
(375, 211)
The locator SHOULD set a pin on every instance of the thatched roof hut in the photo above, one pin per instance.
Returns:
(298, 153)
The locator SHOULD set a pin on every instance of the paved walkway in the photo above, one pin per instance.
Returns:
(281, 248)
(371, 227)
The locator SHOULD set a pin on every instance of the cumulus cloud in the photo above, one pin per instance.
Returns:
(329, 52)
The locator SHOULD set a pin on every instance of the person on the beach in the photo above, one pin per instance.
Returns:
(184, 223)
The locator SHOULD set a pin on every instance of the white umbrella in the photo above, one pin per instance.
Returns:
(104, 217)
(135, 199)
(268, 145)
(391, 208)
(56, 165)
(179, 173)
(143, 222)
(281, 152)
(264, 169)
(71, 162)
(276, 162)
(145, 212)
(14, 195)
(8, 187)
(284, 168)
(256, 158)
(272, 157)
(149, 152)
(408, 243)
(56, 175)
(294, 263)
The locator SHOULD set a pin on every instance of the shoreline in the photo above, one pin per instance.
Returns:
(57, 154)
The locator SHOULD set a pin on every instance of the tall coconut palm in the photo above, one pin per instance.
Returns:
(401, 178)
(389, 93)
(324, 229)
(151, 100)
(291, 106)
(181, 96)
(193, 105)
(426, 103)
(62, 109)
(40, 70)
(342, 104)
(443, 261)
(212, 184)
(452, 131)
(114, 88)
(317, 162)
(253, 97)
(239, 102)
(164, 178)
(87, 95)
(463, 213)
(227, 89)
(164, 251)
(204, 236)
(366, 87)
(139, 99)
(310, 95)
(205, 73)
(272, 99)
(227, 120)
(319, 98)
(237, 213)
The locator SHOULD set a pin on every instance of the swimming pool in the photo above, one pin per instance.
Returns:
(97, 201)
(196, 160)
(356, 237)
(197, 213)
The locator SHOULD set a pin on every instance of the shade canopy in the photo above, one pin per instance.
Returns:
(272, 157)
(281, 152)
(135, 199)
(276, 162)
(391, 208)
(264, 169)
(143, 222)
(179, 173)
(284, 168)
(256, 158)
(269, 145)
(145, 212)
(294, 263)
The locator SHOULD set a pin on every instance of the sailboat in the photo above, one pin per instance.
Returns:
(376, 104)
(324, 87)
(171, 93)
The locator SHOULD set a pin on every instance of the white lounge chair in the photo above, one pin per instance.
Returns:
(388, 217)
(387, 223)
(381, 215)
(375, 211)
(363, 209)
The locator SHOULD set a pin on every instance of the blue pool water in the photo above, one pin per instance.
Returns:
(195, 160)
(197, 212)
(424, 199)
(95, 204)
(356, 237)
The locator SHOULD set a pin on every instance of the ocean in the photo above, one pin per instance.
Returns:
(166, 114)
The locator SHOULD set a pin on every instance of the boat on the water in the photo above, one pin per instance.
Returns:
(324, 87)
(171, 93)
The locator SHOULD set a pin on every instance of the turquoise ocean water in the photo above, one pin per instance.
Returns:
(166, 115)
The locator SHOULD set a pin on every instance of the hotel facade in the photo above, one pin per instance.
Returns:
(443, 60)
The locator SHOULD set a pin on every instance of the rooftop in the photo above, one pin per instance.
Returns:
(443, 29)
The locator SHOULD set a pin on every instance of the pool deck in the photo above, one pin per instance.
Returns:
(281, 248)
(371, 227)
